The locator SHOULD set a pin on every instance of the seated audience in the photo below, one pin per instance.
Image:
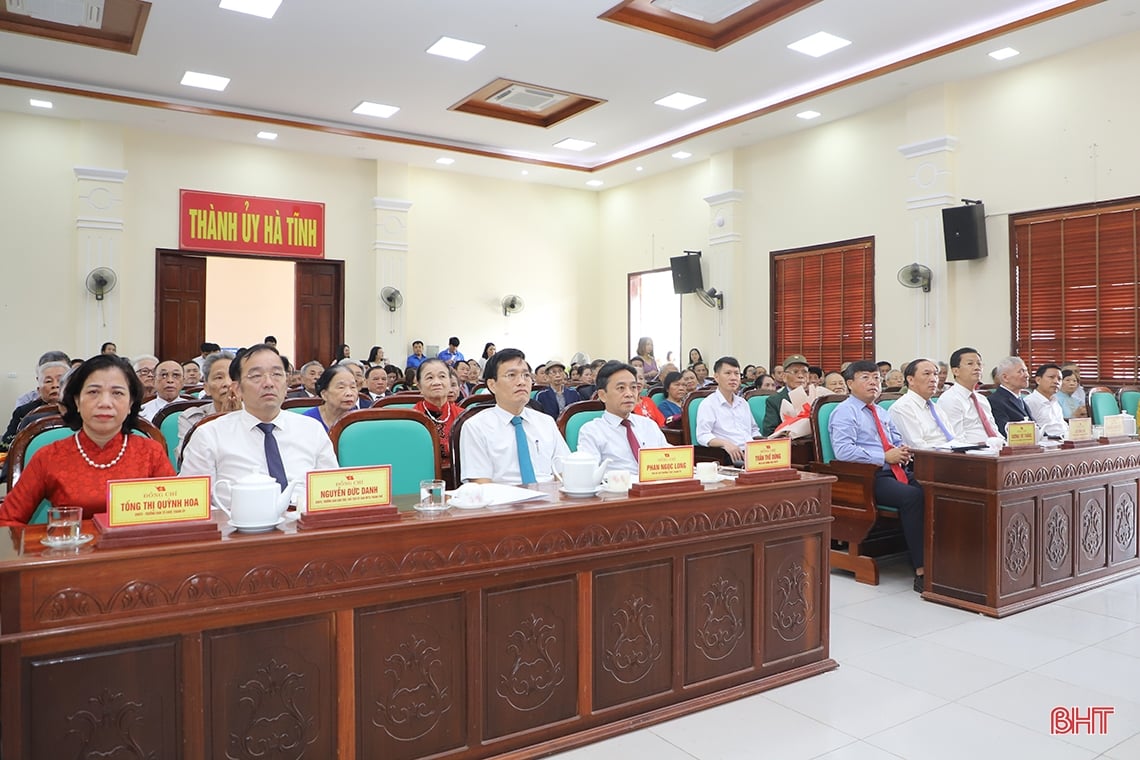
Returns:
(1078, 393)
(376, 357)
(376, 382)
(168, 387)
(540, 375)
(690, 381)
(695, 357)
(665, 369)
(416, 358)
(619, 434)
(675, 393)
(395, 376)
(461, 374)
(49, 377)
(310, 373)
(34, 393)
(1067, 396)
(510, 442)
(488, 352)
(343, 351)
(894, 380)
(795, 369)
(191, 373)
(862, 431)
(337, 388)
(101, 403)
(943, 373)
(966, 412)
(474, 372)
(883, 368)
(1044, 406)
(724, 420)
(765, 382)
(748, 377)
(778, 375)
(259, 438)
(435, 381)
(835, 383)
(815, 376)
(144, 367)
(356, 369)
(1005, 400)
(556, 397)
(109, 348)
(917, 417)
(221, 390)
(701, 371)
(206, 348)
(645, 406)
(451, 354)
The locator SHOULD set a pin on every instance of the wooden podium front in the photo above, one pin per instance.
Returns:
(1007, 533)
(465, 635)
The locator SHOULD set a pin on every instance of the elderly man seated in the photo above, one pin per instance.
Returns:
(376, 382)
(1006, 401)
(34, 393)
(619, 434)
(144, 367)
(556, 397)
(310, 372)
(49, 377)
(510, 442)
(259, 438)
(168, 385)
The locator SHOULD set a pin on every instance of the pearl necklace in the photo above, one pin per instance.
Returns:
(112, 463)
(438, 420)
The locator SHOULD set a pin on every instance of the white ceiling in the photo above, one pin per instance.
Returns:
(317, 59)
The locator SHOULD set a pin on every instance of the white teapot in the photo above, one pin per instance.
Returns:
(256, 500)
(581, 471)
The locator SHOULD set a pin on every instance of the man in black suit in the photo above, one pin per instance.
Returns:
(1006, 403)
(557, 396)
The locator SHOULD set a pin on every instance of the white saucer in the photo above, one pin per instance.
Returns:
(243, 528)
(61, 544)
(592, 492)
(612, 491)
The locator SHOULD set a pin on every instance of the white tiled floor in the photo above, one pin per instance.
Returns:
(921, 681)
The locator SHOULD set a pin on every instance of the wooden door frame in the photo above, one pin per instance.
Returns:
(159, 252)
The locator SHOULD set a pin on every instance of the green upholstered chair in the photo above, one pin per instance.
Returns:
(405, 439)
(167, 421)
(300, 405)
(399, 401)
(576, 415)
(454, 474)
(886, 399)
(758, 403)
(689, 428)
(1129, 398)
(862, 531)
(657, 397)
(1102, 403)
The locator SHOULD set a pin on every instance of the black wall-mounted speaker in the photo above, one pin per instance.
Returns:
(686, 274)
(964, 228)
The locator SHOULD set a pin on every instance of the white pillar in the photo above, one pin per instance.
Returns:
(98, 243)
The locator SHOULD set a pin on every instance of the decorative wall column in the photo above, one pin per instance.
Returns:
(724, 253)
(930, 182)
(98, 243)
(391, 249)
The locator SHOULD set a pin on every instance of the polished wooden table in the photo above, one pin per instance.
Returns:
(468, 634)
(1007, 533)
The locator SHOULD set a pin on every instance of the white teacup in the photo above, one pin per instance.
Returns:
(617, 480)
(707, 472)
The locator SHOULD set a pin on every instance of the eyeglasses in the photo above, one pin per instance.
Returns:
(515, 375)
(145, 371)
(257, 376)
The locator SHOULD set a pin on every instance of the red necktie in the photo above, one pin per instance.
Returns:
(896, 468)
(982, 414)
(633, 444)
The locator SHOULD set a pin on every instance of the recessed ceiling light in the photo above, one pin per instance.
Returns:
(40, 103)
(809, 115)
(457, 49)
(267, 135)
(445, 161)
(525, 172)
(819, 44)
(572, 144)
(682, 154)
(1006, 52)
(205, 81)
(379, 110)
(679, 101)
(639, 169)
(709, 11)
(262, 8)
(595, 183)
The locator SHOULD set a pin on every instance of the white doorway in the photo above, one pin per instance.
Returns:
(655, 312)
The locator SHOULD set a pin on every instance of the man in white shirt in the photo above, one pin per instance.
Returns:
(619, 435)
(917, 418)
(968, 413)
(1044, 405)
(724, 420)
(510, 442)
(260, 437)
(167, 385)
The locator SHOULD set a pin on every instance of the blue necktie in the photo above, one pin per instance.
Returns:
(938, 419)
(526, 469)
(273, 455)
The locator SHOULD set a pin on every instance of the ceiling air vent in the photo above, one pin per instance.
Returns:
(87, 13)
(525, 98)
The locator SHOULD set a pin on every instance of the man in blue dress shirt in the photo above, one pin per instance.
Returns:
(862, 431)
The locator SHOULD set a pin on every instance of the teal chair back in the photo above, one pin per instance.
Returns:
(689, 415)
(1129, 401)
(300, 405)
(1102, 402)
(167, 422)
(657, 397)
(402, 438)
(576, 415)
(399, 401)
(758, 405)
(821, 416)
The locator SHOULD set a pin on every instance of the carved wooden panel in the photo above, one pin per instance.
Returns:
(117, 703)
(1016, 570)
(718, 619)
(1123, 525)
(269, 691)
(791, 620)
(1092, 530)
(411, 685)
(1056, 538)
(530, 676)
(959, 517)
(633, 633)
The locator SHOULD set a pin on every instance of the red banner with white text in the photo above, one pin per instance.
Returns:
(248, 224)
